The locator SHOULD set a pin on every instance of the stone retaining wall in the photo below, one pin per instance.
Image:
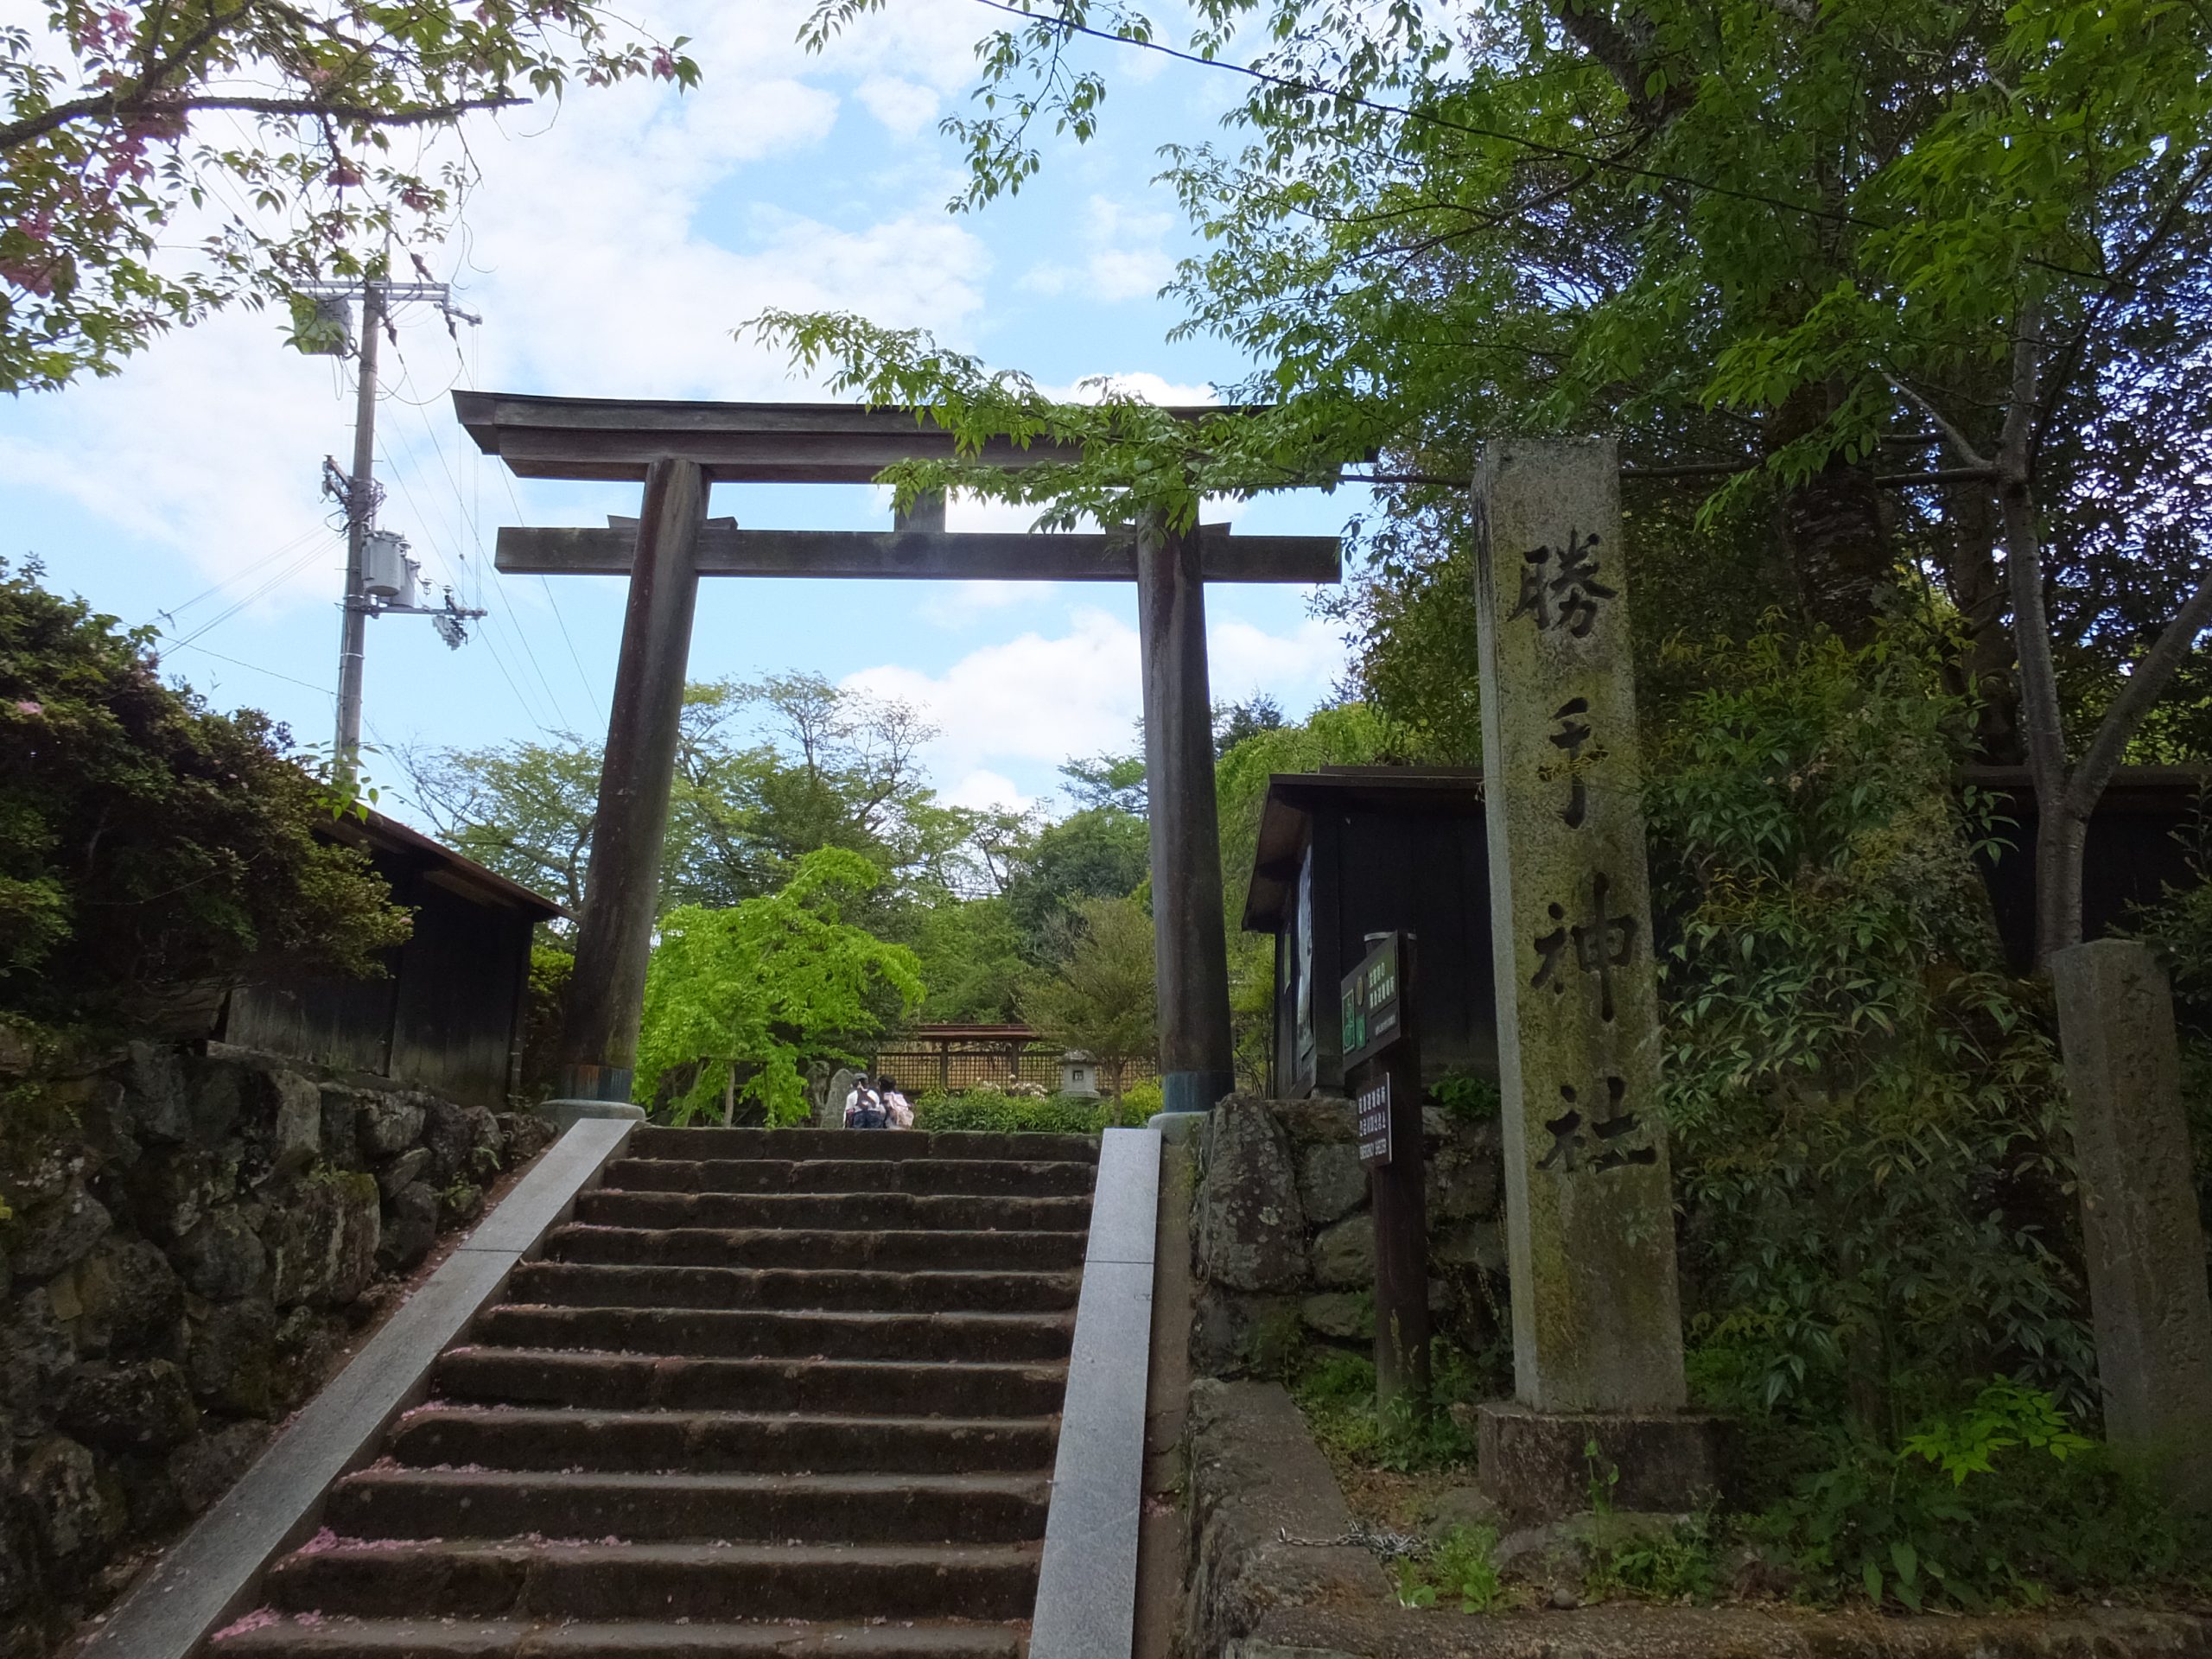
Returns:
(1285, 1241)
(193, 1236)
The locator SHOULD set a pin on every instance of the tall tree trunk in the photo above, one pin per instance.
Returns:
(1970, 571)
(1839, 551)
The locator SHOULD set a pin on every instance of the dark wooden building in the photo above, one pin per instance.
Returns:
(448, 1016)
(1353, 850)
(2139, 846)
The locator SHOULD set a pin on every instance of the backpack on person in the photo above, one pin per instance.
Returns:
(865, 1110)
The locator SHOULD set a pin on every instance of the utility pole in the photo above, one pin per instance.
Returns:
(360, 510)
(357, 493)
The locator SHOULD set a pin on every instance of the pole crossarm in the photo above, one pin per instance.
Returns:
(616, 438)
(726, 551)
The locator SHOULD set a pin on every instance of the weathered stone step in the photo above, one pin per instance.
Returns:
(875, 1212)
(656, 1581)
(869, 1509)
(902, 1251)
(633, 1382)
(763, 1333)
(707, 1442)
(971, 1175)
(594, 1283)
(649, 1141)
(285, 1638)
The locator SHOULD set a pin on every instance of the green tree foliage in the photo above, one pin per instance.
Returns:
(771, 982)
(1865, 1112)
(1098, 995)
(767, 773)
(1099, 852)
(1106, 780)
(148, 845)
(1798, 252)
(324, 121)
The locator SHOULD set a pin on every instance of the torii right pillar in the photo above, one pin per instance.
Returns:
(1589, 1199)
(1190, 946)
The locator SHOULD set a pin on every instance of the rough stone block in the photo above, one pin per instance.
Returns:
(1332, 1181)
(1251, 1229)
(129, 1303)
(1465, 1175)
(388, 1125)
(35, 1351)
(527, 1134)
(223, 1257)
(158, 1103)
(2148, 1298)
(60, 1232)
(76, 1514)
(322, 1239)
(1343, 1254)
(403, 1172)
(231, 1358)
(1343, 1314)
(409, 1228)
(204, 1468)
(173, 1188)
(295, 1123)
(341, 1119)
(1536, 1465)
(144, 1408)
(1321, 1120)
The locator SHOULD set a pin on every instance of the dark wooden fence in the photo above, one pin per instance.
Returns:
(951, 1059)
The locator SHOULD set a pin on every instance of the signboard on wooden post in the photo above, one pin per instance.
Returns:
(1383, 1073)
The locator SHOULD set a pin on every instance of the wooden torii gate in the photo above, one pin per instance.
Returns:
(679, 450)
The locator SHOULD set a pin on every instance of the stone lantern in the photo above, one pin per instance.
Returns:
(1079, 1073)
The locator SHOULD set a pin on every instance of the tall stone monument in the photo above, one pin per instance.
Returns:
(1590, 1222)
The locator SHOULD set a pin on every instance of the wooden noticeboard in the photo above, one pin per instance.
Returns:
(1382, 1074)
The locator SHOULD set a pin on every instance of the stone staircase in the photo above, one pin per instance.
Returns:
(790, 1392)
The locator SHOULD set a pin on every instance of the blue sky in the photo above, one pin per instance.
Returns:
(611, 248)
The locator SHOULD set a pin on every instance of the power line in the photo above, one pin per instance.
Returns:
(187, 645)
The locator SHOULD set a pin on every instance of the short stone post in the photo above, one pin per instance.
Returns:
(1590, 1218)
(2148, 1295)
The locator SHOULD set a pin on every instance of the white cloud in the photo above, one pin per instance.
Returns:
(986, 790)
(603, 261)
(902, 106)
(1034, 700)
(1126, 259)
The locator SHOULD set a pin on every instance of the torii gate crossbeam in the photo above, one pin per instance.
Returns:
(679, 451)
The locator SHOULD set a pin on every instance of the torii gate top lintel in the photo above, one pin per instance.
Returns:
(619, 439)
(679, 450)
(616, 438)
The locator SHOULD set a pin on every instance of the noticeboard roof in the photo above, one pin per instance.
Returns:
(1294, 797)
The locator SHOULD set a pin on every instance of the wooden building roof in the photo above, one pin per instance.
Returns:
(1294, 797)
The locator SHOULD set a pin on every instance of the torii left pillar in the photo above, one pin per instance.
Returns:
(607, 992)
(1190, 948)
